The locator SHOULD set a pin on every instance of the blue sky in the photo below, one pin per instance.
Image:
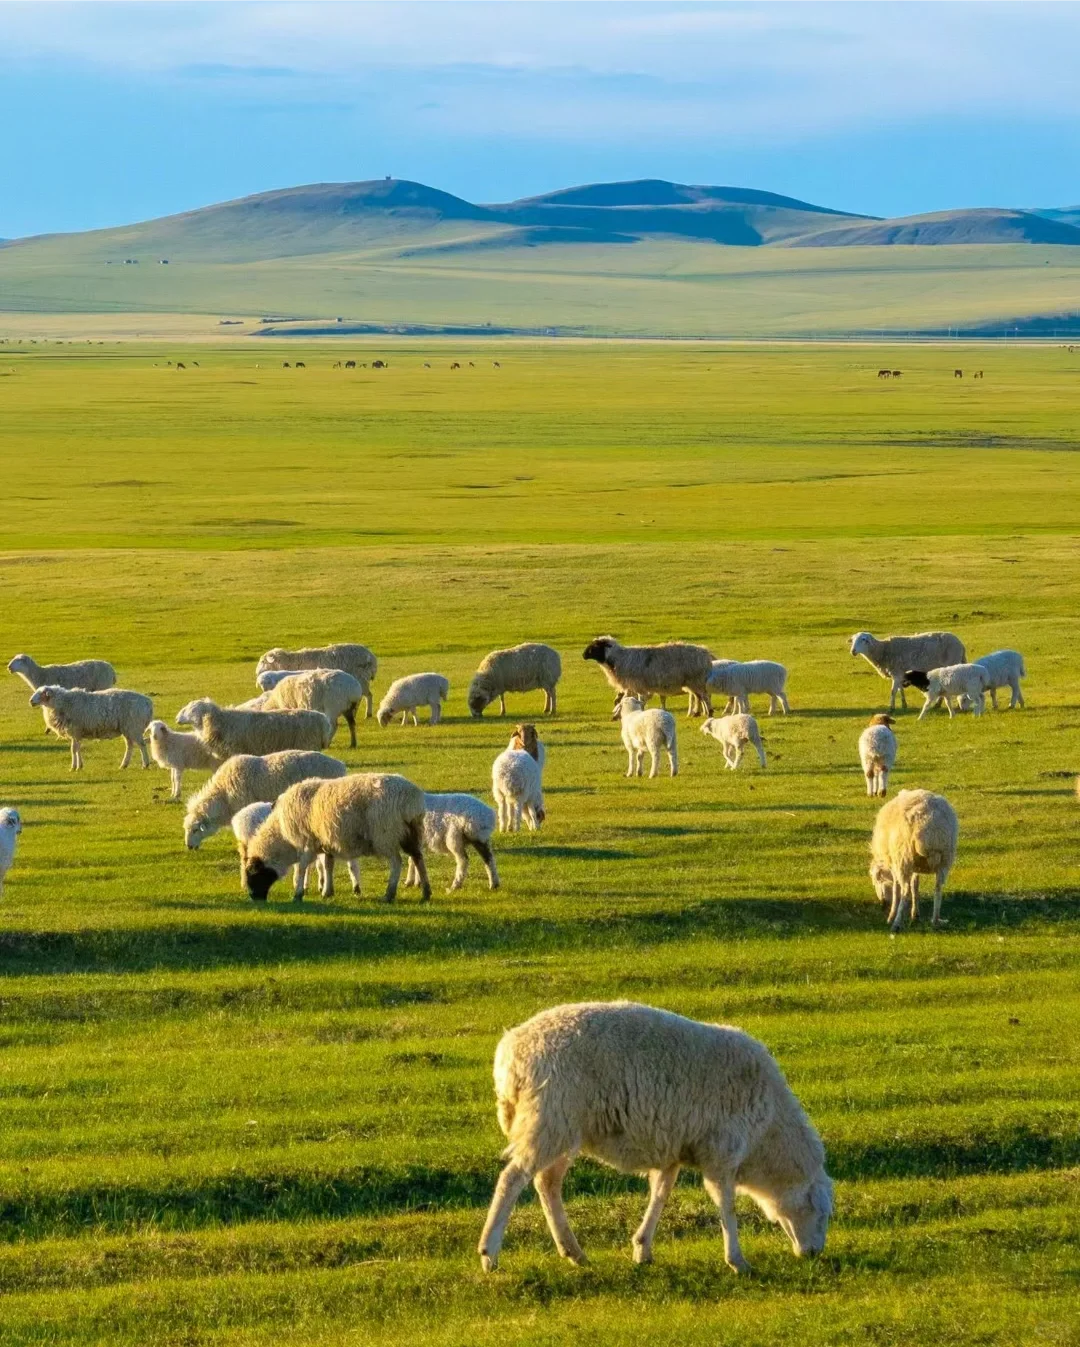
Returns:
(119, 112)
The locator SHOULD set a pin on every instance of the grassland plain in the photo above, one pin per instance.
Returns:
(229, 1126)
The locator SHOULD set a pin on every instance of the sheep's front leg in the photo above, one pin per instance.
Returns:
(630, 762)
(926, 706)
(392, 881)
(404, 717)
(993, 698)
(303, 863)
(350, 720)
(512, 1183)
(548, 1184)
(915, 898)
(129, 744)
(175, 775)
(411, 878)
(354, 874)
(661, 1182)
(369, 702)
(76, 755)
(871, 783)
(456, 844)
(502, 703)
(436, 712)
(939, 886)
(145, 755)
(896, 906)
(722, 1192)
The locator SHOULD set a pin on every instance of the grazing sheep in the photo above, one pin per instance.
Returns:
(1004, 669)
(406, 694)
(877, 753)
(246, 823)
(92, 675)
(647, 732)
(733, 733)
(738, 679)
(894, 656)
(664, 670)
(362, 815)
(354, 659)
(963, 683)
(646, 1091)
(225, 731)
(246, 779)
(517, 781)
(914, 834)
(178, 752)
(10, 829)
(451, 824)
(522, 668)
(332, 691)
(72, 713)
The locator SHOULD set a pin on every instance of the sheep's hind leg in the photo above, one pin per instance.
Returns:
(129, 744)
(350, 720)
(484, 851)
(511, 1184)
(76, 756)
(939, 885)
(354, 873)
(548, 1184)
(654, 769)
(661, 1182)
(722, 1192)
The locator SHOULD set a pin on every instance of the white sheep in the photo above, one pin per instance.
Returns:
(72, 713)
(1004, 669)
(877, 753)
(414, 690)
(10, 829)
(643, 671)
(643, 1090)
(517, 781)
(452, 824)
(246, 823)
(332, 691)
(226, 732)
(178, 752)
(737, 679)
(92, 675)
(246, 779)
(361, 815)
(896, 655)
(733, 733)
(523, 668)
(647, 732)
(914, 834)
(964, 684)
(357, 660)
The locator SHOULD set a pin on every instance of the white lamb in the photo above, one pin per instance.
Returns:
(914, 834)
(894, 656)
(646, 1091)
(733, 733)
(1004, 669)
(737, 679)
(178, 752)
(517, 781)
(649, 732)
(964, 684)
(10, 829)
(452, 823)
(877, 753)
(74, 714)
(247, 822)
(415, 690)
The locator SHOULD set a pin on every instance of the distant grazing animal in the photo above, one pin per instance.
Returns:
(455, 365)
(379, 364)
(350, 364)
(914, 834)
(471, 365)
(978, 374)
(427, 365)
(884, 373)
(958, 374)
(643, 1090)
(285, 365)
(897, 373)
(877, 753)
(180, 365)
(195, 363)
(495, 365)
(894, 657)
(10, 829)
(299, 365)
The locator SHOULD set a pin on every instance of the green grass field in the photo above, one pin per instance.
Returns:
(223, 1125)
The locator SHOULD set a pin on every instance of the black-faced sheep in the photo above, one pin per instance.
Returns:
(643, 671)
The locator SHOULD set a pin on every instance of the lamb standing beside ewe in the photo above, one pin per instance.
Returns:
(332, 691)
(452, 823)
(10, 829)
(357, 660)
(246, 823)
(92, 675)
(733, 733)
(646, 1091)
(643, 671)
(963, 683)
(737, 679)
(246, 779)
(894, 656)
(914, 834)
(877, 753)
(523, 668)
(1004, 669)
(647, 732)
(178, 752)
(227, 732)
(517, 781)
(72, 713)
(406, 694)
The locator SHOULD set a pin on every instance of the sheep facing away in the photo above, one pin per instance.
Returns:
(529, 667)
(877, 753)
(246, 779)
(246, 823)
(914, 834)
(92, 675)
(353, 659)
(332, 691)
(649, 732)
(10, 830)
(226, 732)
(737, 679)
(452, 824)
(643, 671)
(733, 733)
(1004, 669)
(517, 781)
(414, 690)
(72, 713)
(178, 752)
(643, 1090)
(964, 684)
(361, 815)
(893, 657)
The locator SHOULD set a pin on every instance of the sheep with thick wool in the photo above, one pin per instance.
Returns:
(72, 713)
(10, 831)
(178, 753)
(529, 667)
(361, 815)
(647, 731)
(453, 823)
(1004, 669)
(896, 655)
(226, 732)
(964, 684)
(413, 691)
(332, 691)
(646, 1091)
(877, 753)
(247, 779)
(517, 781)
(733, 733)
(643, 671)
(737, 679)
(92, 675)
(914, 834)
(357, 660)
(246, 823)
